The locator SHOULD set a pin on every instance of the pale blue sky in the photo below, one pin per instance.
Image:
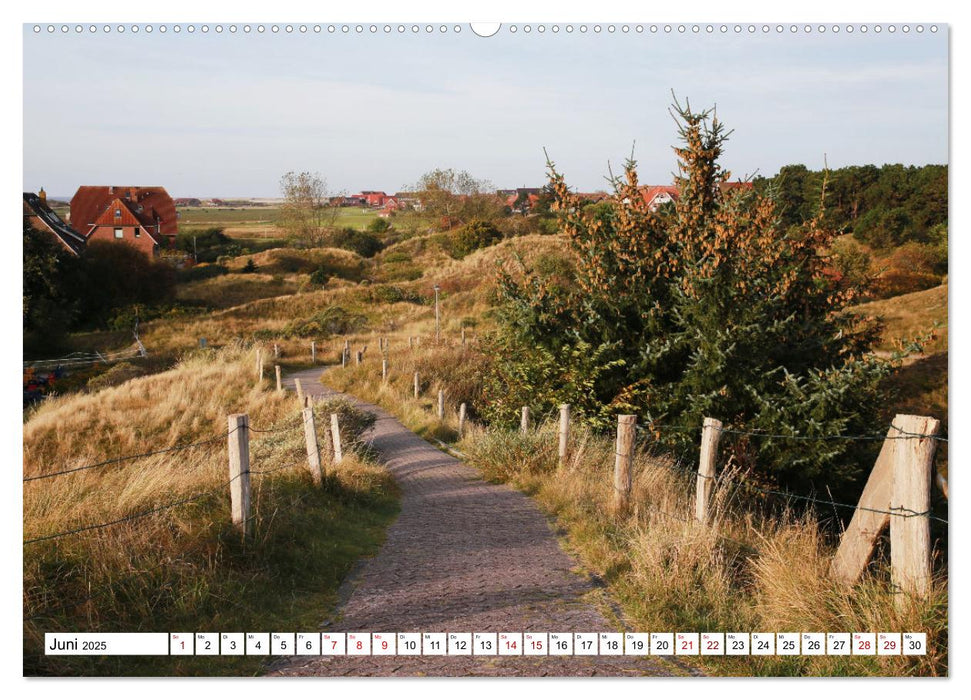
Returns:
(227, 115)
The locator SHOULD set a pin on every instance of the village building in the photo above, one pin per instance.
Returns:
(144, 217)
(44, 219)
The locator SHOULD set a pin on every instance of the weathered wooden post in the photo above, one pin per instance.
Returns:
(259, 362)
(524, 421)
(239, 485)
(313, 352)
(359, 356)
(461, 419)
(417, 386)
(564, 433)
(384, 369)
(276, 351)
(711, 432)
(313, 451)
(623, 462)
(910, 526)
(279, 378)
(299, 387)
(441, 404)
(463, 336)
(335, 433)
(411, 342)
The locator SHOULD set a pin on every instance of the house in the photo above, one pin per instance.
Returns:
(658, 195)
(43, 218)
(141, 216)
(371, 198)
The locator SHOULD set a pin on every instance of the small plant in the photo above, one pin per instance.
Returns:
(320, 277)
(250, 266)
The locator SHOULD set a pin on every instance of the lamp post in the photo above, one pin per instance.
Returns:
(437, 317)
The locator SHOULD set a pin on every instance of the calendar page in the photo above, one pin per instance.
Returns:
(431, 348)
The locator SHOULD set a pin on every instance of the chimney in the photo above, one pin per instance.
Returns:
(43, 195)
(111, 189)
(133, 194)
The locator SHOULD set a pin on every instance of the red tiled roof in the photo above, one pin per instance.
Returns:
(148, 205)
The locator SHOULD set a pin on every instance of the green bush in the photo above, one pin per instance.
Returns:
(473, 236)
(364, 244)
(379, 225)
(334, 320)
(320, 276)
(354, 421)
(250, 266)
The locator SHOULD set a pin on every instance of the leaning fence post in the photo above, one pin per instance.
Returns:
(239, 487)
(910, 528)
(461, 419)
(335, 433)
(279, 378)
(417, 386)
(524, 420)
(441, 404)
(313, 451)
(710, 436)
(299, 386)
(623, 462)
(564, 433)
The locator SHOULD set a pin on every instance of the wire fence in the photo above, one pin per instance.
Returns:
(897, 511)
(78, 359)
(157, 509)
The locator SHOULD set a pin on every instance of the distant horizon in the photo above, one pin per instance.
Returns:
(279, 197)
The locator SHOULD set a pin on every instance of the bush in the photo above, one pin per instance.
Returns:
(702, 309)
(250, 266)
(320, 276)
(334, 320)
(364, 244)
(379, 225)
(205, 271)
(473, 236)
(392, 294)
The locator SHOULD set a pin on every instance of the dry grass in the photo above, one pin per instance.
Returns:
(909, 316)
(184, 567)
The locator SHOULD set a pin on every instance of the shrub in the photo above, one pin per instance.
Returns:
(203, 271)
(364, 244)
(334, 320)
(250, 266)
(397, 256)
(702, 309)
(379, 225)
(320, 276)
(472, 236)
(354, 421)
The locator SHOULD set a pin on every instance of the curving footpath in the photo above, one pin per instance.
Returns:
(464, 555)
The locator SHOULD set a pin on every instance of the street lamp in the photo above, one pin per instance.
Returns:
(437, 317)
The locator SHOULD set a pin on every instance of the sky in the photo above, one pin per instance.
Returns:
(226, 115)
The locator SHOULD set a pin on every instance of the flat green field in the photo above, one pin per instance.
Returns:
(260, 221)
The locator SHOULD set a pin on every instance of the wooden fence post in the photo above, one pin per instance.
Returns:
(384, 370)
(710, 436)
(564, 451)
(417, 386)
(441, 404)
(239, 486)
(279, 378)
(359, 357)
(461, 419)
(313, 451)
(276, 351)
(463, 336)
(910, 528)
(524, 421)
(335, 433)
(623, 462)
(299, 386)
(411, 342)
(313, 352)
(259, 362)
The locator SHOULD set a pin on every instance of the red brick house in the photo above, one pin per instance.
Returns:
(141, 216)
(44, 219)
(656, 195)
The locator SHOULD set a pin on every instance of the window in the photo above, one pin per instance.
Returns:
(119, 233)
(138, 233)
(117, 213)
